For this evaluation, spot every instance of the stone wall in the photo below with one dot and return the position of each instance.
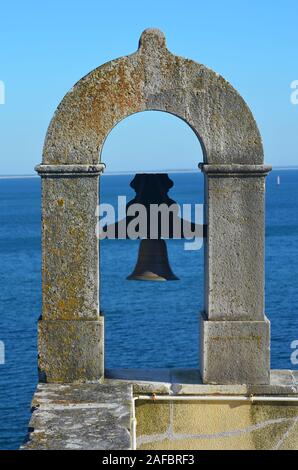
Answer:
(80, 416)
(171, 410)
(190, 425)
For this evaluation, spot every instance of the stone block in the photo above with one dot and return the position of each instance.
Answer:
(71, 351)
(235, 352)
(80, 417)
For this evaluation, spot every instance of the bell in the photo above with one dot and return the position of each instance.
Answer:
(153, 262)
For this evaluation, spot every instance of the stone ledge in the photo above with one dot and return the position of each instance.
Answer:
(89, 416)
(70, 170)
(189, 382)
(235, 169)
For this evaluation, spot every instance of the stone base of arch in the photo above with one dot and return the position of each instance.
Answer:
(71, 351)
(235, 352)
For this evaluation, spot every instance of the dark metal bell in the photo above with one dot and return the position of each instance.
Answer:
(153, 262)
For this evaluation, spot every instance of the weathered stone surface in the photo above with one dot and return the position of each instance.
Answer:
(89, 416)
(235, 352)
(216, 425)
(71, 351)
(189, 382)
(220, 425)
(97, 416)
(234, 260)
(153, 79)
(282, 382)
(143, 380)
(69, 246)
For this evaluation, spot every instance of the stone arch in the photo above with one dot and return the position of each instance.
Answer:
(233, 323)
(153, 79)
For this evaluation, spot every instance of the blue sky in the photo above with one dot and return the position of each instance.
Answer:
(47, 46)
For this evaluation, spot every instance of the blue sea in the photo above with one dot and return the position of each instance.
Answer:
(147, 324)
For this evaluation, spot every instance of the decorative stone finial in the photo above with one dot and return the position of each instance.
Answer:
(152, 38)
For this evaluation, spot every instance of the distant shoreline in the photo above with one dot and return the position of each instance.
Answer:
(133, 172)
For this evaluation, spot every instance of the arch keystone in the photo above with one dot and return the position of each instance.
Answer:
(152, 38)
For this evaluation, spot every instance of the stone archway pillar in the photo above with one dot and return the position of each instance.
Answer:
(71, 330)
(235, 334)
